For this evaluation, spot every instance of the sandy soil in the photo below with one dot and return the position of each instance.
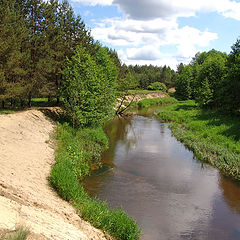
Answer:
(26, 198)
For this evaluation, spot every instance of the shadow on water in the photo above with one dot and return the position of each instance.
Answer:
(159, 183)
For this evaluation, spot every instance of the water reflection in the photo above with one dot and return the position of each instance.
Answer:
(170, 194)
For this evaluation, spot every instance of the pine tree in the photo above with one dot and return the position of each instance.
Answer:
(13, 33)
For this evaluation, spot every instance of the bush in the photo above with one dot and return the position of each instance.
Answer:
(157, 86)
(88, 89)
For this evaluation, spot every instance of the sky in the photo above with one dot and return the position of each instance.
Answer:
(161, 32)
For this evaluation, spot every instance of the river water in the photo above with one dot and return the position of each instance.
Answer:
(158, 182)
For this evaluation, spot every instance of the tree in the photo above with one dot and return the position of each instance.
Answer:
(13, 33)
(183, 83)
(157, 86)
(231, 87)
(211, 73)
(88, 89)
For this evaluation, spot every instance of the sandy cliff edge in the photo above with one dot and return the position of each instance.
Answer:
(26, 198)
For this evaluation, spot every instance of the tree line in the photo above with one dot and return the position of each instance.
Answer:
(142, 77)
(35, 38)
(212, 79)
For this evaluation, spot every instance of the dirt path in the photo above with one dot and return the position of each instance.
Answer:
(26, 157)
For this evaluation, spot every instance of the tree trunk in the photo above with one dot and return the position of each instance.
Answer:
(29, 100)
(57, 86)
(3, 104)
(22, 103)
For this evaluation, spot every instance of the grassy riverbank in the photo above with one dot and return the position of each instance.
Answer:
(79, 151)
(145, 103)
(213, 137)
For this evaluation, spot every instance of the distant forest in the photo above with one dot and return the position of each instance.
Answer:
(36, 38)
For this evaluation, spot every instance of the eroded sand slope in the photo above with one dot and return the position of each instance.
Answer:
(26, 157)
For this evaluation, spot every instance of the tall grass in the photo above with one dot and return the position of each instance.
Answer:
(145, 103)
(214, 137)
(20, 233)
(78, 152)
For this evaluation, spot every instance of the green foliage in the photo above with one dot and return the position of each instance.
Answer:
(157, 86)
(156, 102)
(231, 84)
(140, 77)
(36, 36)
(74, 158)
(183, 83)
(213, 137)
(204, 94)
(89, 88)
(203, 79)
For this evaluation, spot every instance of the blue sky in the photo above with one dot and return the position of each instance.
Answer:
(161, 32)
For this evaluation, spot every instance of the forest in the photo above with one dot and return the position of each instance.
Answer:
(212, 80)
(37, 38)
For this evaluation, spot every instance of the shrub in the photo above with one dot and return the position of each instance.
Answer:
(157, 86)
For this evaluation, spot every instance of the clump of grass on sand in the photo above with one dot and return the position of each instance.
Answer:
(20, 233)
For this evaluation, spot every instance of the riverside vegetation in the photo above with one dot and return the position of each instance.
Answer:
(213, 136)
(78, 151)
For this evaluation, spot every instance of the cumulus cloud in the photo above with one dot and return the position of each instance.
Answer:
(167, 9)
(142, 39)
(94, 2)
(150, 25)
(144, 53)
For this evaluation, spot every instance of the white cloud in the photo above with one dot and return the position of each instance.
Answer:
(94, 2)
(148, 53)
(150, 25)
(168, 9)
(141, 40)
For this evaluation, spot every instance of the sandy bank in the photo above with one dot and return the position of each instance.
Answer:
(26, 157)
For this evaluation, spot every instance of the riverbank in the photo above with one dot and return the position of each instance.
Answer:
(27, 154)
(78, 152)
(212, 136)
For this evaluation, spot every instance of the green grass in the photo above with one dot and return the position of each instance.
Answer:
(43, 102)
(36, 102)
(78, 152)
(145, 103)
(142, 91)
(214, 137)
(7, 111)
(20, 233)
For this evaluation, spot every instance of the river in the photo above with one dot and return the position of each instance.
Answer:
(158, 182)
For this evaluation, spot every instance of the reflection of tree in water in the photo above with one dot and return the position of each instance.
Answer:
(231, 193)
(116, 130)
(121, 129)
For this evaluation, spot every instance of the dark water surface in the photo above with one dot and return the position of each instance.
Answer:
(159, 183)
